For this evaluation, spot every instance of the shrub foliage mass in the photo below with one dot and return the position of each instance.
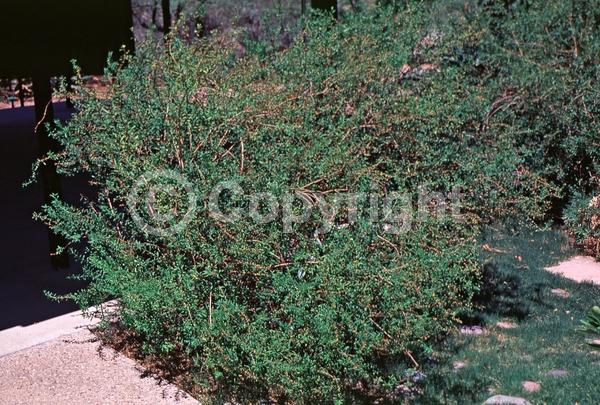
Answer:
(501, 102)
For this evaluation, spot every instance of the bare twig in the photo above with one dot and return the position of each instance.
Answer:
(43, 117)
(242, 157)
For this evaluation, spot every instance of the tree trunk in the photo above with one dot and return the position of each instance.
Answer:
(166, 12)
(326, 5)
(44, 115)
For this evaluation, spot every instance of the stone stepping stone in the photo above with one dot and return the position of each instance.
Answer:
(560, 292)
(472, 330)
(578, 268)
(531, 386)
(506, 400)
(458, 365)
(506, 325)
(557, 373)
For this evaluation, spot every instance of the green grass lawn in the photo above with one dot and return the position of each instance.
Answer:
(546, 338)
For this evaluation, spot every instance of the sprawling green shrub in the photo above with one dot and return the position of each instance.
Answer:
(380, 103)
(544, 55)
(582, 218)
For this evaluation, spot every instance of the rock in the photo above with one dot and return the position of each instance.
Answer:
(531, 386)
(506, 400)
(457, 365)
(560, 292)
(506, 325)
(557, 373)
(472, 330)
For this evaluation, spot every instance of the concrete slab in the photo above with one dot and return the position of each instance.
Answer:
(77, 369)
(578, 268)
(19, 337)
(22, 337)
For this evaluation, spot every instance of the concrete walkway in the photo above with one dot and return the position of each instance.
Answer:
(39, 364)
(76, 369)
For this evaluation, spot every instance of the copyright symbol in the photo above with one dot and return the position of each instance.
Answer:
(162, 202)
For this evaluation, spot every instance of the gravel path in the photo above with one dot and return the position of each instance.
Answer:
(75, 369)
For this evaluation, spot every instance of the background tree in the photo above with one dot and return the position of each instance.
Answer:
(325, 5)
